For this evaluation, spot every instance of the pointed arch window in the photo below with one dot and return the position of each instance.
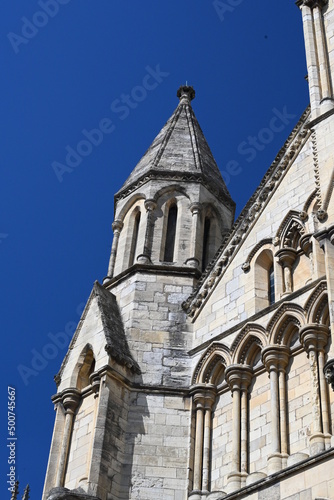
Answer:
(170, 234)
(134, 242)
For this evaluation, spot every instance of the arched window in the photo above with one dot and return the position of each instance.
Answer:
(134, 241)
(206, 243)
(271, 285)
(86, 369)
(264, 280)
(170, 234)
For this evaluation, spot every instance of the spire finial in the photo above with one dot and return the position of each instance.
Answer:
(15, 491)
(186, 92)
(26, 495)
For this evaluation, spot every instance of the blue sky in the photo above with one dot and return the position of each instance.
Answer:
(67, 67)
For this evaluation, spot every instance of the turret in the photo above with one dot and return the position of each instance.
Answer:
(174, 208)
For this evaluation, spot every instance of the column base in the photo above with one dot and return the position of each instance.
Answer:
(234, 481)
(143, 259)
(195, 495)
(317, 443)
(215, 495)
(192, 262)
(295, 458)
(326, 104)
(274, 463)
(106, 280)
(254, 477)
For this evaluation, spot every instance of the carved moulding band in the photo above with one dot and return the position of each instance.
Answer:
(312, 3)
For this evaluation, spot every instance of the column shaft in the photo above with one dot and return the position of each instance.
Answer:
(117, 227)
(323, 394)
(282, 406)
(206, 450)
(198, 459)
(275, 413)
(65, 445)
(326, 92)
(311, 57)
(236, 431)
(244, 432)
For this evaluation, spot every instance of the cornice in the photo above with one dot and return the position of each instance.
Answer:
(154, 175)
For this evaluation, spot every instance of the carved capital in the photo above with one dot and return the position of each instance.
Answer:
(286, 257)
(70, 399)
(94, 380)
(305, 243)
(117, 226)
(150, 205)
(314, 337)
(195, 208)
(275, 357)
(238, 377)
(204, 396)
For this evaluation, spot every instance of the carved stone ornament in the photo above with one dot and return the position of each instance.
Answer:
(312, 3)
(329, 372)
(66, 494)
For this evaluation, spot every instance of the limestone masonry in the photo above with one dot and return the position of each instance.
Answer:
(203, 367)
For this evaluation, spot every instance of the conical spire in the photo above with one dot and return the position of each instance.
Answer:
(180, 149)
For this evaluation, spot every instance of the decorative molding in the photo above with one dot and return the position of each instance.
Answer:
(307, 205)
(289, 229)
(246, 265)
(215, 350)
(176, 177)
(250, 327)
(312, 302)
(277, 324)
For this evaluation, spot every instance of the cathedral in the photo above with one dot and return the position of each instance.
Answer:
(202, 367)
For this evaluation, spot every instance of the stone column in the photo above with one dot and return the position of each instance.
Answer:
(275, 358)
(145, 257)
(238, 378)
(326, 242)
(203, 398)
(70, 399)
(311, 56)
(286, 257)
(117, 227)
(193, 260)
(314, 338)
(325, 82)
(209, 401)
